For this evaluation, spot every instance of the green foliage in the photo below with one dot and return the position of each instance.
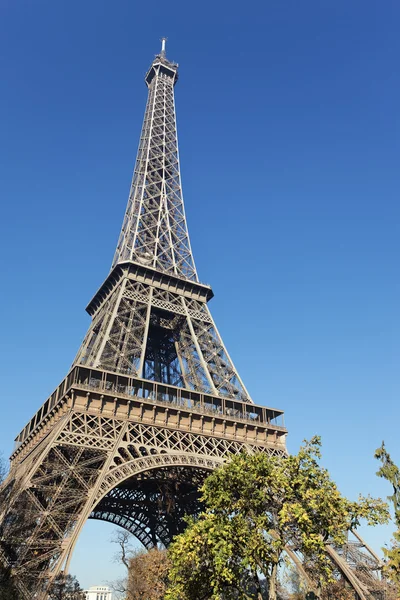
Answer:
(391, 473)
(255, 506)
(65, 587)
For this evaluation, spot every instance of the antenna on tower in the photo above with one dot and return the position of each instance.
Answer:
(163, 41)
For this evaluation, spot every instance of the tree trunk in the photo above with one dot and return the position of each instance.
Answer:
(272, 583)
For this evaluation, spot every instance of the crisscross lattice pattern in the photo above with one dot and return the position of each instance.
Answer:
(160, 335)
(72, 475)
(154, 231)
(150, 321)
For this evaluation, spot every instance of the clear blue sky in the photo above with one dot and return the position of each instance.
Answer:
(288, 116)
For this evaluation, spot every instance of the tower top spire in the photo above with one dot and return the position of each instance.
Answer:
(163, 42)
(161, 65)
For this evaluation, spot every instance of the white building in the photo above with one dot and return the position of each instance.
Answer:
(98, 592)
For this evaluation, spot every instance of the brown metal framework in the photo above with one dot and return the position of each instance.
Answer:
(152, 402)
(355, 566)
(121, 449)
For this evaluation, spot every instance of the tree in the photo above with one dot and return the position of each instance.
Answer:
(65, 587)
(148, 575)
(147, 570)
(255, 506)
(391, 473)
(3, 469)
(337, 591)
(125, 553)
(123, 539)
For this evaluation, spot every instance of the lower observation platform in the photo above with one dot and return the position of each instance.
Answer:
(100, 392)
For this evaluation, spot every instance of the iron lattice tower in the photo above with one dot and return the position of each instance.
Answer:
(152, 401)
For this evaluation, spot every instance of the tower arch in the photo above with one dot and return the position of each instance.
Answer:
(149, 497)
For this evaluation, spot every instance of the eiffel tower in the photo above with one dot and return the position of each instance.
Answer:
(152, 401)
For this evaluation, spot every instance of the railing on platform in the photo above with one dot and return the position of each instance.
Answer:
(155, 392)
